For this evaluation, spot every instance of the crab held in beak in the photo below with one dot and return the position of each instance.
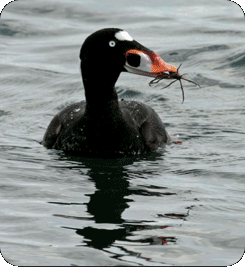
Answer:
(148, 63)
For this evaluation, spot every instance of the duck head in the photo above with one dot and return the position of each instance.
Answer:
(108, 52)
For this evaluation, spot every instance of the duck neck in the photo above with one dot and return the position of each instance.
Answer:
(100, 93)
(102, 105)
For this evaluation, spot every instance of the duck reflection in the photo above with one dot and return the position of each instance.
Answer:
(106, 204)
(110, 199)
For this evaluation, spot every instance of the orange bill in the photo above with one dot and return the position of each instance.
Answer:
(146, 63)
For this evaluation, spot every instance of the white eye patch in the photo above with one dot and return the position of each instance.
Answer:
(123, 36)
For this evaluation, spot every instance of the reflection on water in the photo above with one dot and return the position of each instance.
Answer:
(110, 199)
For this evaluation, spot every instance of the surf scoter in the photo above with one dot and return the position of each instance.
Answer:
(103, 126)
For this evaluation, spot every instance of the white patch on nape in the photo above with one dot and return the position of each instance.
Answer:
(123, 36)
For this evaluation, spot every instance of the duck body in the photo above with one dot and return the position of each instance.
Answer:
(103, 126)
(136, 129)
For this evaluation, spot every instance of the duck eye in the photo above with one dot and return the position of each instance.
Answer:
(112, 43)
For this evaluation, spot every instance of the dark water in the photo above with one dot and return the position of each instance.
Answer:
(180, 206)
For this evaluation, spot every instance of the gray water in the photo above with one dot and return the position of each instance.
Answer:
(183, 205)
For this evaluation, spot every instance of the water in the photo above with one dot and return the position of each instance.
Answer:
(180, 206)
